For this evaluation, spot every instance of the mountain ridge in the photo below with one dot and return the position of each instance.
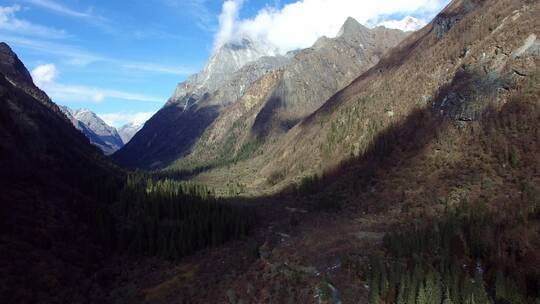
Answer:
(195, 105)
(346, 124)
(95, 129)
(51, 175)
(137, 153)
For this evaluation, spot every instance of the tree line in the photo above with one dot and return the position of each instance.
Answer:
(169, 219)
(472, 255)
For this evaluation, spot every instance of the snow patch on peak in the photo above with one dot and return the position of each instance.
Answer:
(407, 24)
(129, 130)
(229, 58)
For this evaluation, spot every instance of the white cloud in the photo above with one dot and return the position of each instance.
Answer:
(228, 19)
(122, 118)
(299, 24)
(11, 24)
(45, 77)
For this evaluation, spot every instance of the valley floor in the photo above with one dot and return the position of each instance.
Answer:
(293, 256)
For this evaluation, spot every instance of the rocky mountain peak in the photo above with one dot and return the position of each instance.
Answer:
(95, 129)
(16, 73)
(129, 130)
(94, 122)
(12, 67)
(228, 59)
(351, 27)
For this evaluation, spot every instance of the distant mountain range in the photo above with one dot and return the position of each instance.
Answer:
(106, 137)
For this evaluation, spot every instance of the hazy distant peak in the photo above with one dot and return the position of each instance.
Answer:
(129, 130)
(92, 126)
(407, 24)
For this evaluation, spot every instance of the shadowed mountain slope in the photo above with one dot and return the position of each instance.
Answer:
(196, 103)
(52, 180)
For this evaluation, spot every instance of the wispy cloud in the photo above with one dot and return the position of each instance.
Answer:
(45, 76)
(119, 119)
(157, 68)
(64, 10)
(11, 24)
(196, 9)
(88, 16)
(75, 56)
(70, 54)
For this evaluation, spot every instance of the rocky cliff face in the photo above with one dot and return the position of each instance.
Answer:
(308, 78)
(95, 129)
(278, 101)
(315, 74)
(230, 58)
(197, 102)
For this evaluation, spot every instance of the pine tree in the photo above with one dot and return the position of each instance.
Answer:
(411, 289)
(500, 286)
(433, 288)
(447, 299)
(470, 299)
(401, 297)
(421, 297)
(374, 296)
(480, 294)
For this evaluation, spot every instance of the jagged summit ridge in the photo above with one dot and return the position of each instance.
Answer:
(95, 129)
(351, 28)
(228, 59)
(129, 130)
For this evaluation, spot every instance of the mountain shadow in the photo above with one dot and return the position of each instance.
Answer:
(172, 132)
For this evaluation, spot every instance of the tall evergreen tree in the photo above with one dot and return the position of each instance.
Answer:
(447, 298)
(422, 297)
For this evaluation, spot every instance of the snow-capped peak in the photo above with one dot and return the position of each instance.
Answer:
(407, 24)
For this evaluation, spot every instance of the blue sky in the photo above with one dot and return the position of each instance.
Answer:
(123, 59)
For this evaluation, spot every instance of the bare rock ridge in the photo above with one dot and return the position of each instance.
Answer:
(308, 78)
(197, 102)
(129, 130)
(228, 59)
(278, 101)
(95, 129)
